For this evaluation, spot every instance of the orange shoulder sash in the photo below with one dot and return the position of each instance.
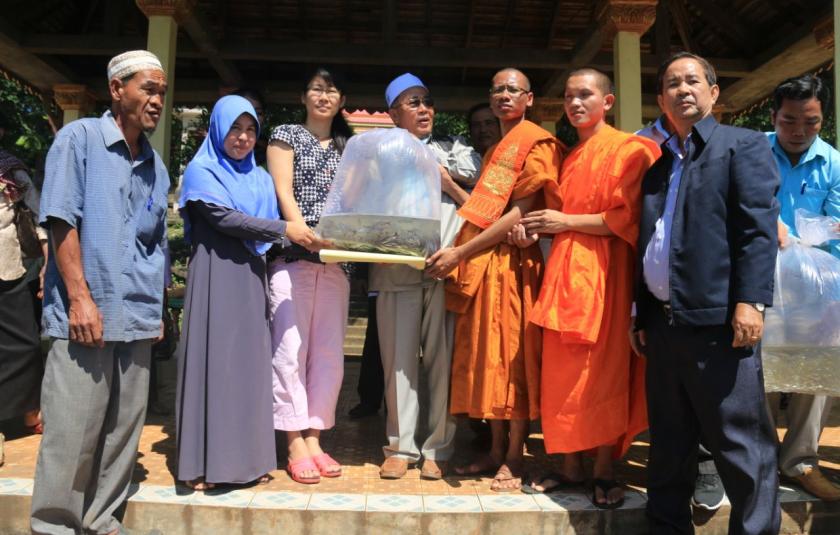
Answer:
(490, 197)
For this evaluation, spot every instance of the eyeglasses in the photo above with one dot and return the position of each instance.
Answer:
(318, 91)
(414, 102)
(512, 90)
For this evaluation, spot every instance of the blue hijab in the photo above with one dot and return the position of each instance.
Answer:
(215, 178)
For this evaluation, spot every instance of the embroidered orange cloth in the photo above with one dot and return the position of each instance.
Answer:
(496, 358)
(592, 385)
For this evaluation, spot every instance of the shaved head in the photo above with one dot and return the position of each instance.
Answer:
(602, 81)
(516, 72)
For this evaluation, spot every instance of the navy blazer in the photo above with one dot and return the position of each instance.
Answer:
(724, 235)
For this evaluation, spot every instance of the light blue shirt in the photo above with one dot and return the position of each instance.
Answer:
(118, 207)
(655, 132)
(656, 262)
(813, 184)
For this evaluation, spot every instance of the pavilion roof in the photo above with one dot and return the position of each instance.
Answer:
(453, 45)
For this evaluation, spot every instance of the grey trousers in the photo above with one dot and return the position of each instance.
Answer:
(408, 321)
(806, 416)
(93, 404)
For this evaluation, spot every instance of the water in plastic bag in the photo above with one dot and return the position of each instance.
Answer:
(801, 347)
(385, 197)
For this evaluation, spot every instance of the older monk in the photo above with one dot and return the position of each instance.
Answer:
(496, 359)
(103, 297)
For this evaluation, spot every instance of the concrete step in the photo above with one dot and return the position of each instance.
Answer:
(175, 511)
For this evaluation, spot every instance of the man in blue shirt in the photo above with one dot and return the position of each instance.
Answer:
(810, 171)
(104, 203)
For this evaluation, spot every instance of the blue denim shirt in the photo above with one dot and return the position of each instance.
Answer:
(118, 207)
(813, 184)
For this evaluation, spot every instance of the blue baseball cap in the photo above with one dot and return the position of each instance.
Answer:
(400, 84)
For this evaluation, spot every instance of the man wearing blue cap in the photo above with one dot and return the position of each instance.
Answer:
(411, 308)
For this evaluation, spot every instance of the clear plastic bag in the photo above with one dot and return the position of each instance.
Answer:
(385, 197)
(801, 347)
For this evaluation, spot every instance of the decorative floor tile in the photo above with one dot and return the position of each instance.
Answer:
(280, 500)
(565, 501)
(16, 486)
(223, 498)
(395, 503)
(164, 494)
(508, 502)
(337, 502)
(451, 504)
(634, 499)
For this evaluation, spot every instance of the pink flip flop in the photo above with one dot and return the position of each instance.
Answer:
(323, 461)
(295, 468)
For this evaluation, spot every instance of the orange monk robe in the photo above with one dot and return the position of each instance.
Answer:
(592, 391)
(496, 356)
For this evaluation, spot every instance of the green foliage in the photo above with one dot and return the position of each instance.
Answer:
(451, 124)
(23, 116)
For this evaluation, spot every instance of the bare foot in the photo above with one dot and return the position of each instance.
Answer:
(199, 484)
(508, 478)
(298, 450)
(313, 445)
(485, 464)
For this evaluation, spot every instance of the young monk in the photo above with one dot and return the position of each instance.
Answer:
(592, 395)
(496, 359)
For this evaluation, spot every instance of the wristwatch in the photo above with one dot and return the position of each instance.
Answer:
(758, 306)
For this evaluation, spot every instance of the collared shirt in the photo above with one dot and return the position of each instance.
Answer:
(118, 205)
(656, 132)
(464, 165)
(656, 261)
(813, 184)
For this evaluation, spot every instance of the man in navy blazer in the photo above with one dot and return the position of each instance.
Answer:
(707, 252)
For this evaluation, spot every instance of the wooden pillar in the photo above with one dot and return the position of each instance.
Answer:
(75, 101)
(162, 41)
(627, 21)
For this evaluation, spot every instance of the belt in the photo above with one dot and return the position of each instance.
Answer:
(666, 308)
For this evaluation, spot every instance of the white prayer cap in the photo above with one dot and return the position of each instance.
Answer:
(130, 62)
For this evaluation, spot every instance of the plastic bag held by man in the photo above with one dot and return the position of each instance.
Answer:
(801, 348)
(385, 197)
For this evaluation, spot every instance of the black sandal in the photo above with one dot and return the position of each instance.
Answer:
(606, 485)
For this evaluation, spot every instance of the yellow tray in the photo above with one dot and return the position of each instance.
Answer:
(331, 256)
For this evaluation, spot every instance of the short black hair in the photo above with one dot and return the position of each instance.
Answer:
(478, 107)
(251, 93)
(708, 69)
(803, 87)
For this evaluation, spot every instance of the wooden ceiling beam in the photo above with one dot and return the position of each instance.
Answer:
(278, 52)
(794, 55)
(197, 28)
(584, 52)
(389, 21)
(679, 16)
(725, 26)
(43, 74)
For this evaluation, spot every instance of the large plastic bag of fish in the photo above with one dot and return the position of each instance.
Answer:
(385, 197)
(801, 347)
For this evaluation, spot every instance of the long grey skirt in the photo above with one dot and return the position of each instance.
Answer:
(224, 398)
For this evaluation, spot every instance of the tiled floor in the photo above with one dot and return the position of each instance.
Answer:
(357, 444)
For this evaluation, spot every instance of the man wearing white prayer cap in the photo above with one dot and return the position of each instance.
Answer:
(104, 203)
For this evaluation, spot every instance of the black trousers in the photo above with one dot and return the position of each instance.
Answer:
(371, 386)
(700, 387)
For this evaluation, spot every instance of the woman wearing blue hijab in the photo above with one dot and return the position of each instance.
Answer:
(224, 397)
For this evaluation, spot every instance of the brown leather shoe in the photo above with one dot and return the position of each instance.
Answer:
(814, 482)
(393, 468)
(433, 469)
